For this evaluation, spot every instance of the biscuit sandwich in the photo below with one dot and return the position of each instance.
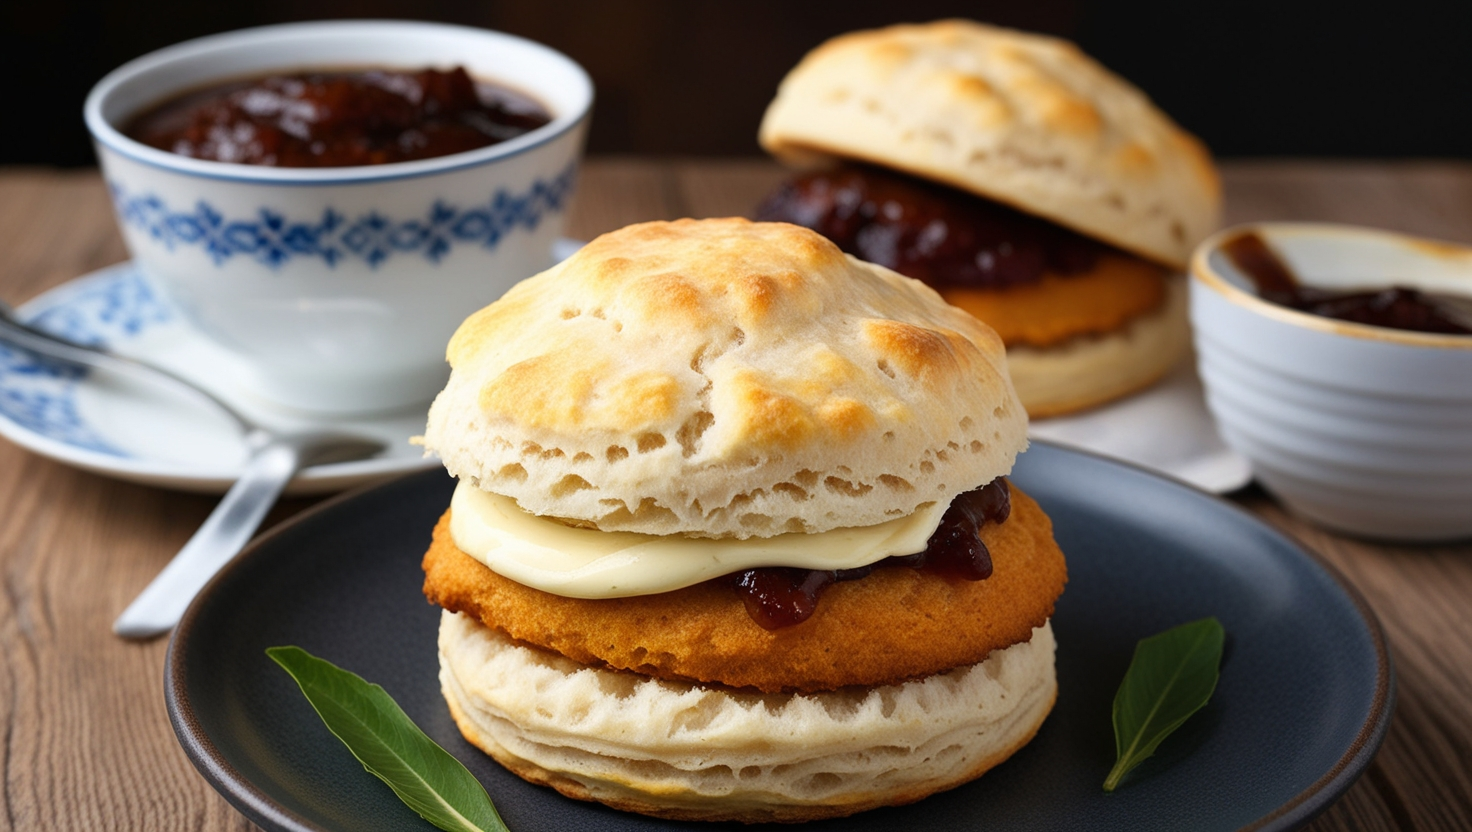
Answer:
(1024, 181)
(732, 539)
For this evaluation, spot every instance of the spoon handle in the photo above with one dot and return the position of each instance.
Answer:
(14, 331)
(225, 532)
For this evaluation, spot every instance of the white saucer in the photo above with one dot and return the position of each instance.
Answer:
(1165, 428)
(120, 428)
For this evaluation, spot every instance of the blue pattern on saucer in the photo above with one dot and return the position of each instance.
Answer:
(272, 239)
(40, 395)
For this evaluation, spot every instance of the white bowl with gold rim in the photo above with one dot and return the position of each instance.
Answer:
(1363, 429)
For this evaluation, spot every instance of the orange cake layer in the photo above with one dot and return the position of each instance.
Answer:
(1057, 308)
(897, 623)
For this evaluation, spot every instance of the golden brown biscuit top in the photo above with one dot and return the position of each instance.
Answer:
(724, 378)
(1024, 119)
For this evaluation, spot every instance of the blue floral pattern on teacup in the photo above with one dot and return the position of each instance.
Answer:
(273, 239)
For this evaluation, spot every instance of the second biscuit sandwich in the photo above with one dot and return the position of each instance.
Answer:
(1023, 180)
(732, 539)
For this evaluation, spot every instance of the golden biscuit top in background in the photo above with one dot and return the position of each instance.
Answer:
(1023, 119)
(724, 378)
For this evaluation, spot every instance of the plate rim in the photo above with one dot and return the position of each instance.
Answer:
(249, 799)
(256, 805)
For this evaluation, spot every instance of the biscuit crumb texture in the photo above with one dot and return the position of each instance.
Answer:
(689, 752)
(1027, 120)
(723, 378)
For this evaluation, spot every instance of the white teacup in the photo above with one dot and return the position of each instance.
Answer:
(341, 286)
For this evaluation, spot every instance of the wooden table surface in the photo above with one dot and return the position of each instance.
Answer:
(84, 739)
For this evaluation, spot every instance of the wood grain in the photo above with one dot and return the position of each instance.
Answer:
(84, 739)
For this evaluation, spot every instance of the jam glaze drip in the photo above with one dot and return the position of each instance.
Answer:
(781, 596)
(939, 235)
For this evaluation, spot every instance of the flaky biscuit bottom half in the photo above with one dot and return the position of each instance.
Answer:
(692, 752)
(1090, 370)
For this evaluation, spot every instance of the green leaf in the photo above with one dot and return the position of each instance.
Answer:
(383, 738)
(1171, 677)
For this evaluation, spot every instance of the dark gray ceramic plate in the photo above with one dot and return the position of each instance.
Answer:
(1304, 699)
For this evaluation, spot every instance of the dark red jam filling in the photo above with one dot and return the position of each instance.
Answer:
(1394, 307)
(779, 596)
(927, 231)
(338, 119)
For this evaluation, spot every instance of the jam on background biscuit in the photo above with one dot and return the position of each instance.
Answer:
(1027, 120)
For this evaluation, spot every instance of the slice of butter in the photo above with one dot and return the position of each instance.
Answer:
(587, 563)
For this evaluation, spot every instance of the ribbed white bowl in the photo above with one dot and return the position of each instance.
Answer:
(1362, 429)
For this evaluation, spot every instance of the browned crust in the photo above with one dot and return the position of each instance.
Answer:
(533, 773)
(893, 625)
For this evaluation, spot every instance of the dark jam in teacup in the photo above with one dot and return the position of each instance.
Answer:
(1394, 307)
(338, 118)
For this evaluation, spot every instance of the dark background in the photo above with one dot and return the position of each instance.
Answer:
(1251, 78)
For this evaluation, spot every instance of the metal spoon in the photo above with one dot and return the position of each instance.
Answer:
(274, 460)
